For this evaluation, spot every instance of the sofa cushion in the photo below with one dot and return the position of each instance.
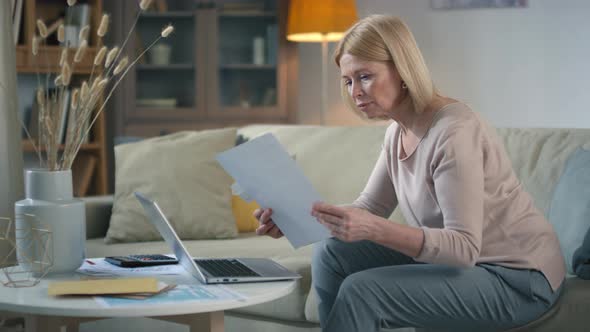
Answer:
(538, 157)
(569, 211)
(290, 307)
(178, 171)
(244, 214)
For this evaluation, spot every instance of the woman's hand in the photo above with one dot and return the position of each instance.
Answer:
(267, 226)
(347, 223)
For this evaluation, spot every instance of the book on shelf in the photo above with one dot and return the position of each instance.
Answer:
(64, 116)
(78, 14)
(33, 125)
(77, 17)
(17, 13)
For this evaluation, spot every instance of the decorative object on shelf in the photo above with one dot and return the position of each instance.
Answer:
(320, 21)
(70, 36)
(160, 54)
(49, 196)
(258, 51)
(11, 157)
(33, 261)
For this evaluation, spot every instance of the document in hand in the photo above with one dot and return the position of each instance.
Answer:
(266, 173)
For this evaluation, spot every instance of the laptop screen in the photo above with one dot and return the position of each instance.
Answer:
(158, 219)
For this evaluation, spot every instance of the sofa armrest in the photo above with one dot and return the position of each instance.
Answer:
(98, 215)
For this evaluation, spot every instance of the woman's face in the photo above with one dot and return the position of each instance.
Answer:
(374, 86)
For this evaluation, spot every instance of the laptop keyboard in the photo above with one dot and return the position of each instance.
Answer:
(226, 268)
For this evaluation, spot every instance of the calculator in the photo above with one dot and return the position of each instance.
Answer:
(141, 260)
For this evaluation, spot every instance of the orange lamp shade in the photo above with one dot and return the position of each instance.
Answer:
(319, 20)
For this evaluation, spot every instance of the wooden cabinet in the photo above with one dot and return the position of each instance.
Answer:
(89, 168)
(229, 65)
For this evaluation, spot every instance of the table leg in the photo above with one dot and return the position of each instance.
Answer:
(37, 323)
(30, 323)
(203, 322)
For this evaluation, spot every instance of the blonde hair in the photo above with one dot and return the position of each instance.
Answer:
(388, 39)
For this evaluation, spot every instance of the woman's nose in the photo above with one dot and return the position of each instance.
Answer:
(356, 90)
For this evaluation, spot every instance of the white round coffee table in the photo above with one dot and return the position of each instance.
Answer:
(48, 313)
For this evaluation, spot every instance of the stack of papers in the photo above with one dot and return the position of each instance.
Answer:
(110, 290)
(135, 288)
(98, 267)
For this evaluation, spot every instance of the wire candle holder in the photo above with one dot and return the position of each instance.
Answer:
(26, 264)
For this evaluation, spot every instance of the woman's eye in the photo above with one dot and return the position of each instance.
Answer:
(347, 83)
(364, 77)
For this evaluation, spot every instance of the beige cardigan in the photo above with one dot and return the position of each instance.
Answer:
(458, 186)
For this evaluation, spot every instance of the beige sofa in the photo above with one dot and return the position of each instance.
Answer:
(338, 161)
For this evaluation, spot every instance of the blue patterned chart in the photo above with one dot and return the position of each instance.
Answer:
(178, 294)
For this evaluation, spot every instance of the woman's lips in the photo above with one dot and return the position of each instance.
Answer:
(362, 106)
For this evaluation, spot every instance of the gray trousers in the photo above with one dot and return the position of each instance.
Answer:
(363, 286)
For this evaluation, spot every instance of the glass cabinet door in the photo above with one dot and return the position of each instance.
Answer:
(165, 79)
(246, 57)
(227, 63)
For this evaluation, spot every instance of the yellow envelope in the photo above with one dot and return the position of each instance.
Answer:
(104, 286)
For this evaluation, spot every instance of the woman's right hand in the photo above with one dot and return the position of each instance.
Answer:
(267, 226)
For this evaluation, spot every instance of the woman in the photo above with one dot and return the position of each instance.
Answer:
(475, 253)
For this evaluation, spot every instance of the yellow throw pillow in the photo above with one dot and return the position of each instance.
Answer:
(244, 211)
(244, 214)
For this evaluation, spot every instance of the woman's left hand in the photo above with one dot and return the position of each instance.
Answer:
(346, 223)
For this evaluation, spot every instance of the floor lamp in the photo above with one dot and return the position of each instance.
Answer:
(320, 22)
(11, 156)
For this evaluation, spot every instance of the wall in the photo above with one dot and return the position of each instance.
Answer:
(519, 67)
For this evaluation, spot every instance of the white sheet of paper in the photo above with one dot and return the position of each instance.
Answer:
(266, 173)
(181, 293)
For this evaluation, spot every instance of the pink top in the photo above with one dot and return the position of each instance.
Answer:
(458, 186)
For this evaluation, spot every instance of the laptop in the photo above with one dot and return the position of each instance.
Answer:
(214, 270)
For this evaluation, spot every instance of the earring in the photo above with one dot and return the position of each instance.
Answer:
(404, 85)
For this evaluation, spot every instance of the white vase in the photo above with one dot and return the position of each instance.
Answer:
(49, 197)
